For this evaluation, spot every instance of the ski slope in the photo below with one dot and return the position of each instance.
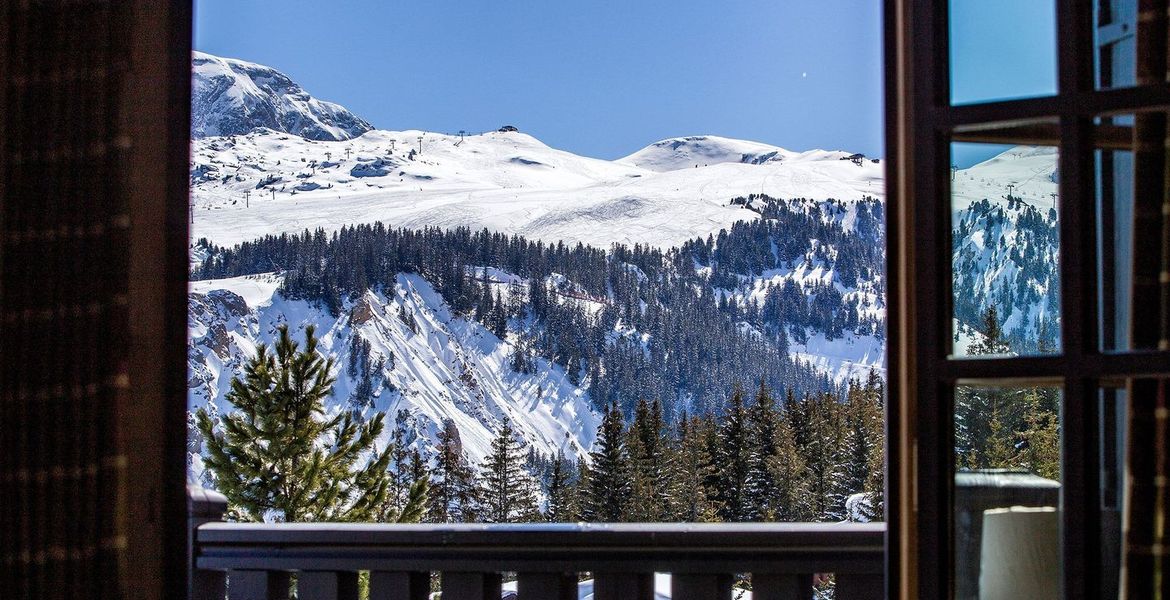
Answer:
(1031, 171)
(508, 182)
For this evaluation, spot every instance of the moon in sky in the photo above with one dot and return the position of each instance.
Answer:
(804, 75)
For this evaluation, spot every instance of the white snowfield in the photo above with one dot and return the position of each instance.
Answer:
(451, 368)
(268, 182)
(1031, 171)
(662, 589)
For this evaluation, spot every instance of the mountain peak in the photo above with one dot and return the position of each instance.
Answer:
(232, 97)
(686, 152)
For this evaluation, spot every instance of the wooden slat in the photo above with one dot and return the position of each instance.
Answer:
(863, 586)
(781, 586)
(400, 585)
(547, 586)
(623, 586)
(258, 585)
(327, 585)
(647, 548)
(208, 585)
(700, 586)
(471, 586)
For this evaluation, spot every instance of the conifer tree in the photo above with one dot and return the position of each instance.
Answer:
(875, 483)
(999, 449)
(607, 494)
(733, 461)
(975, 407)
(763, 426)
(790, 498)
(1040, 440)
(507, 491)
(406, 498)
(401, 477)
(453, 497)
(864, 440)
(277, 456)
(695, 471)
(499, 318)
(993, 340)
(562, 505)
(649, 481)
(821, 451)
(407, 319)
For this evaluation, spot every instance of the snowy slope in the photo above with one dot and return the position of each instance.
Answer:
(1030, 170)
(231, 97)
(1005, 251)
(451, 368)
(507, 182)
(662, 589)
(702, 150)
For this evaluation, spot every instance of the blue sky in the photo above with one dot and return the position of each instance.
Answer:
(601, 78)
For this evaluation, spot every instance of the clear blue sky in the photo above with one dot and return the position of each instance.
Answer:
(600, 78)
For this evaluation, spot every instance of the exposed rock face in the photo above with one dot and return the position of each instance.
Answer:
(233, 97)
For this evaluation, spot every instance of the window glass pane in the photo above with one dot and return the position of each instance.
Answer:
(1112, 416)
(1002, 49)
(1005, 250)
(1130, 197)
(1007, 489)
(1115, 38)
(1115, 238)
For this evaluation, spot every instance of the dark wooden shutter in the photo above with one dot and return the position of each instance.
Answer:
(1150, 328)
(93, 144)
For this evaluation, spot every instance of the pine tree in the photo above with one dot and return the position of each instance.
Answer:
(733, 461)
(650, 492)
(695, 470)
(401, 478)
(409, 486)
(453, 497)
(507, 490)
(974, 407)
(521, 359)
(790, 498)
(1040, 441)
(875, 482)
(863, 437)
(608, 491)
(499, 318)
(993, 340)
(763, 448)
(821, 452)
(562, 502)
(999, 450)
(277, 457)
(407, 319)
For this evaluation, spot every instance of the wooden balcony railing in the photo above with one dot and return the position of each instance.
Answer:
(249, 561)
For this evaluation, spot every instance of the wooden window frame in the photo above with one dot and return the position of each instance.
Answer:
(921, 123)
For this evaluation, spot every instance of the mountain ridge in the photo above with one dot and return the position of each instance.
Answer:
(723, 210)
(233, 97)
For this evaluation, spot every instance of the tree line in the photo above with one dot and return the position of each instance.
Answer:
(671, 323)
(1006, 427)
(279, 456)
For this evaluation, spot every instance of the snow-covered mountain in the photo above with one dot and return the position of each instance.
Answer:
(232, 97)
(701, 151)
(790, 245)
(1005, 249)
(434, 366)
(270, 182)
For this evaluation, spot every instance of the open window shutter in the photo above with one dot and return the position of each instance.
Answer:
(93, 145)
